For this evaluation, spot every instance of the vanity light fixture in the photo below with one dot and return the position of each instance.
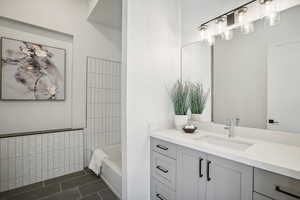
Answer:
(225, 23)
(270, 11)
(203, 32)
(223, 30)
(206, 35)
(221, 24)
(246, 25)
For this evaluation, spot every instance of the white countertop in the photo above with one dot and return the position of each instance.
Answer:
(278, 158)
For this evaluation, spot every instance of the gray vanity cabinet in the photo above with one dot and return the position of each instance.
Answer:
(228, 180)
(205, 177)
(191, 182)
(276, 186)
(180, 173)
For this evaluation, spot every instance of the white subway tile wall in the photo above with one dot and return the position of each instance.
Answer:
(103, 105)
(29, 159)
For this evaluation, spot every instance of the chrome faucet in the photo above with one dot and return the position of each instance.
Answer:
(230, 126)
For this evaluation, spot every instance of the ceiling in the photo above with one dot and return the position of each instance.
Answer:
(106, 12)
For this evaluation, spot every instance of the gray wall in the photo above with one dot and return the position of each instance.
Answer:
(240, 70)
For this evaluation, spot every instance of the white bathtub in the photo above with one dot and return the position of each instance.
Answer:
(112, 169)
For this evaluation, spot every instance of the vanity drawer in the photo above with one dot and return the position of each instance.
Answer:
(161, 192)
(276, 186)
(259, 197)
(164, 169)
(164, 148)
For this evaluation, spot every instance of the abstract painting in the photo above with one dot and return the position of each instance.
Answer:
(32, 71)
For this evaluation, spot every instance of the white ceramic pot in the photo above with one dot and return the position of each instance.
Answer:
(180, 121)
(197, 117)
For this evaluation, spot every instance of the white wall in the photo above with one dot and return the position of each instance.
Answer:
(58, 114)
(106, 12)
(152, 60)
(69, 16)
(196, 62)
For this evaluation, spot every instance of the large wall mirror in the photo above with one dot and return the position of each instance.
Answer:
(256, 76)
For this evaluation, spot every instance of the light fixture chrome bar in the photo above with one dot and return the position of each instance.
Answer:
(264, 1)
(229, 12)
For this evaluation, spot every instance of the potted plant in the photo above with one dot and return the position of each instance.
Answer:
(198, 99)
(179, 97)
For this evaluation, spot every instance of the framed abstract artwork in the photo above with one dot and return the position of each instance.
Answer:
(32, 72)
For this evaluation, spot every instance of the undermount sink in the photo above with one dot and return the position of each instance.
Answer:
(225, 142)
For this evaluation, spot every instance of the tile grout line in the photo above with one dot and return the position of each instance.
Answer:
(94, 181)
(68, 179)
(80, 195)
(99, 195)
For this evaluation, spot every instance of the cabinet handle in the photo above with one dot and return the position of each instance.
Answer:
(200, 167)
(162, 169)
(160, 197)
(162, 147)
(208, 170)
(278, 189)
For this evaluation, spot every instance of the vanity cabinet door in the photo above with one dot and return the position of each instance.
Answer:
(191, 176)
(228, 180)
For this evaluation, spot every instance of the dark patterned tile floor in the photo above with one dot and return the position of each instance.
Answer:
(82, 185)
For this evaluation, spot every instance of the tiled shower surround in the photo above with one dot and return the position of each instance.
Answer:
(103, 105)
(30, 159)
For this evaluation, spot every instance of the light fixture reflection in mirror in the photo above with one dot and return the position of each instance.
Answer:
(227, 35)
(247, 28)
(211, 40)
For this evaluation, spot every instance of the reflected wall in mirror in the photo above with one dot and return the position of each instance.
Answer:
(196, 67)
(256, 76)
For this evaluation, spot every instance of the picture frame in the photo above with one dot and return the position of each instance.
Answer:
(31, 71)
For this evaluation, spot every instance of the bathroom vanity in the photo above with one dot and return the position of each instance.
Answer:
(209, 166)
(252, 79)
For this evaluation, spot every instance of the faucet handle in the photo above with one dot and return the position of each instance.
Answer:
(229, 122)
(237, 121)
